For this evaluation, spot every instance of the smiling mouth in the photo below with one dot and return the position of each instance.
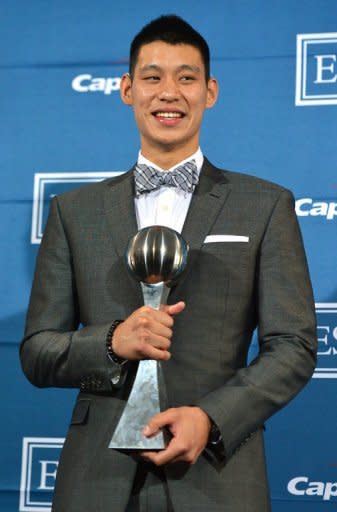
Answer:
(168, 115)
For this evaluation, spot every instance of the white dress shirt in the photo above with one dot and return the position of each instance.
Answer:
(166, 206)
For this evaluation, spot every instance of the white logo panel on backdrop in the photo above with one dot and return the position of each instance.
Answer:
(301, 486)
(316, 69)
(40, 456)
(309, 207)
(327, 341)
(88, 83)
(48, 185)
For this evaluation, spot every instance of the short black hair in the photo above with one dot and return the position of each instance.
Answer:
(173, 30)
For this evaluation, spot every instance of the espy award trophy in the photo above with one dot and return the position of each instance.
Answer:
(156, 256)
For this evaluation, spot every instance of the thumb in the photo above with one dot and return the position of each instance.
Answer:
(173, 309)
(155, 424)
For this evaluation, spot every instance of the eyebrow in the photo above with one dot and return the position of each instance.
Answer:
(182, 67)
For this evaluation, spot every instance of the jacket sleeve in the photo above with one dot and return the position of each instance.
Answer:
(286, 333)
(55, 351)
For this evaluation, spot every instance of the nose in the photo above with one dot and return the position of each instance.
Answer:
(169, 90)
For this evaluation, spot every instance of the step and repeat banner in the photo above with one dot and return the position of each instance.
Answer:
(63, 125)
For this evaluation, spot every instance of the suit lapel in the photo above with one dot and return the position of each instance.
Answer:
(120, 210)
(121, 219)
(207, 201)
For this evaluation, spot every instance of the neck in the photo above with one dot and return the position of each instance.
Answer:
(164, 158)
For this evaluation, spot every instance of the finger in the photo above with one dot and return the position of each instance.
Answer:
(159, 421)
(156, 327)
(173, 309)
(150, 352)
(151, 316)
(148, 311)
(189, 457)
(160, 342)
(148, 331)
(159, 458)
(150, 457)
(171, 453)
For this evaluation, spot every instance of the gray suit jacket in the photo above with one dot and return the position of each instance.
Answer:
(229, 288)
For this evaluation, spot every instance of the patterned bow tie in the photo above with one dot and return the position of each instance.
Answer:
(184, 176)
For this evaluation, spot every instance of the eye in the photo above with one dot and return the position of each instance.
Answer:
(187, 78)
(152, 78)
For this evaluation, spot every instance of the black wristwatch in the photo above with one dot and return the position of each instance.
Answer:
(215, 443)
(215, 437)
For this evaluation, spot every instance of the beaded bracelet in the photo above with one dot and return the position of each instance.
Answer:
(113, 357)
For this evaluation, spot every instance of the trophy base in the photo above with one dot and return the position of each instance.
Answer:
(140, 442)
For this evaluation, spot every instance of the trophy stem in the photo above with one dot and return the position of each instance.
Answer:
(155, 294)
(148, 395)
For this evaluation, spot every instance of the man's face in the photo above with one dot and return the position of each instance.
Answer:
(169, 94)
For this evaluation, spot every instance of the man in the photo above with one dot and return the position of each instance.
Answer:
(246, 268)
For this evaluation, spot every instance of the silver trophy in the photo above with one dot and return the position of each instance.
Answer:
(156, 256)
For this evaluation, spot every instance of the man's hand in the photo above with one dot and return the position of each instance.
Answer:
(189, 426)
(147, 333)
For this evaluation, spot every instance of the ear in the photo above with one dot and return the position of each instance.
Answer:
(212, 92)
(126, 89)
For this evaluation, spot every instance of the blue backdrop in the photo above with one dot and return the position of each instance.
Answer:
(63, 124)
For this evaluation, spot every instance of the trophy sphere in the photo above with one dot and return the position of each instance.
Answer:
(156, 254)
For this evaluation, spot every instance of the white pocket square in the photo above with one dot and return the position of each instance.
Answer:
(225, 238)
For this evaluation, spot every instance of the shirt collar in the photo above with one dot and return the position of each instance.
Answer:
(197, 156)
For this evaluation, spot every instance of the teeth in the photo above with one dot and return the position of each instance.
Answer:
(168, 114)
